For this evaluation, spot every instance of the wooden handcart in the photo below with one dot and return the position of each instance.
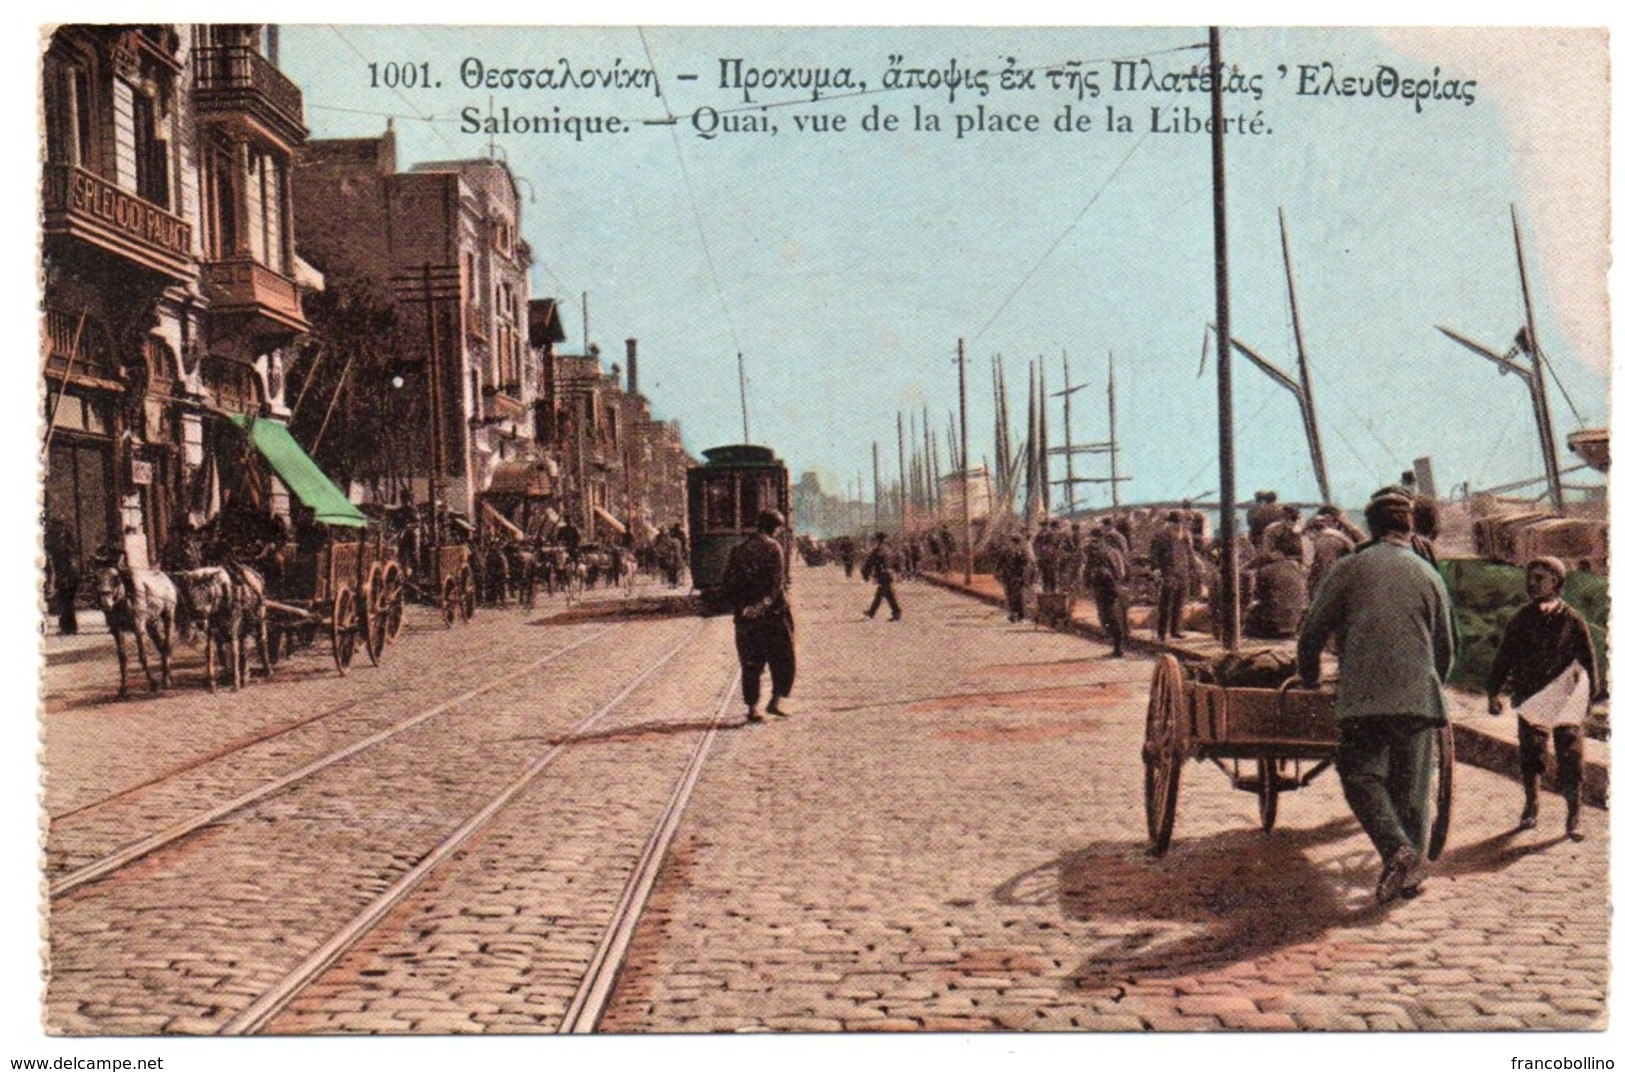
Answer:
(447, 581)
(353, 589)
(1268, 741)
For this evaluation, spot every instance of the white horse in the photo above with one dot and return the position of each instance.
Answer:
(227, 610)
(142, 604)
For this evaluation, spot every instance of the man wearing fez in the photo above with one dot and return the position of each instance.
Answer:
(764, 632)
(1390, 613)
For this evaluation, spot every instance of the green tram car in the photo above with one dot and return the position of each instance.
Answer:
(725, 494)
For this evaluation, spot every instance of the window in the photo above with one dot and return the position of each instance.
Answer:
(221, 180)
(271, 212)
(151, 153)
(67, 111)
(756, 493)
(721, 509)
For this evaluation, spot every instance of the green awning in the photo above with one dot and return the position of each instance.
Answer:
(302, 475)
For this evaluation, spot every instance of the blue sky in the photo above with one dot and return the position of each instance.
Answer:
(845, 266)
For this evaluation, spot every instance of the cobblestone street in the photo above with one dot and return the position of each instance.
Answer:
(949, 844)
(948, 835)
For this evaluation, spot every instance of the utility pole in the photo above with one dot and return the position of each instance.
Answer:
(964, 461)
(876, 446)
(1000, 437)
(1111, 421)
(436, 431)
(1066, 418)
(1229, 574)
(902, 476)
(744, 408)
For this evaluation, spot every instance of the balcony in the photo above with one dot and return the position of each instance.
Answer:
(87, 207)
(240, 88)
(245, 289)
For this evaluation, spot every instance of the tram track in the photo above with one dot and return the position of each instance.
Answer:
(174, 832)
(598, 983)
(224, 918)
(264, 1009)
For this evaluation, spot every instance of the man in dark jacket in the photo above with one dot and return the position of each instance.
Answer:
(1017, 570)
(1547, 662)
(62, 565)
(1105, 572)
(877, 568)
(764, 632)
(1174, 559)
(1280, 591)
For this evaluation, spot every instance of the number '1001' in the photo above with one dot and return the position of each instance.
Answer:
(399, 75)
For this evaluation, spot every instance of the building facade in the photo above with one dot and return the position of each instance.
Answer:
(172, 293)
(441, 242)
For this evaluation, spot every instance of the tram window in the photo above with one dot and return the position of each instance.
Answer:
(756, 493)
(721, 509)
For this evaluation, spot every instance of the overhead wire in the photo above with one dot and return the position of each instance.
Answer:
(693, 203)
(1065, 232)
(429, 120)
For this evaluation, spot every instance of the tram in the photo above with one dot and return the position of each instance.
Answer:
(725, 494)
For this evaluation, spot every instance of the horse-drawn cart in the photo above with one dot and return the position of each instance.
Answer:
(352, 589)
(1267, 740)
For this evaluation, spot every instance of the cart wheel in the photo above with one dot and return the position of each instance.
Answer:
(450, 600)
(1162, 750)
(1269, 792)
(1444, 756)
(394, 601)
(467, 592)
(372, 614)
(345, 625)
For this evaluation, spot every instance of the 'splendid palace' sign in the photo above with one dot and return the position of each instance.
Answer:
(89, 207)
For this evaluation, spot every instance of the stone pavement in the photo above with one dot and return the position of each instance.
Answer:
(1483, 740)
(949, 835)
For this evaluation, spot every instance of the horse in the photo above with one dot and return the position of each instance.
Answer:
(141, 603)
(554, 564)
(494, 573)
(522, 568)
(227, 609)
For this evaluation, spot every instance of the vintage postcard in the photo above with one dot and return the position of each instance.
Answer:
(950, 532)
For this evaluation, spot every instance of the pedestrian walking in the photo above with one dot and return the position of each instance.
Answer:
(62, 570)
(764, 630)
(1106, 574)
(1390, 615)
(1017, 570)
(1174, 559)
(1047, 550)
(1546, 661)
(877, 568)
(848, 550)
